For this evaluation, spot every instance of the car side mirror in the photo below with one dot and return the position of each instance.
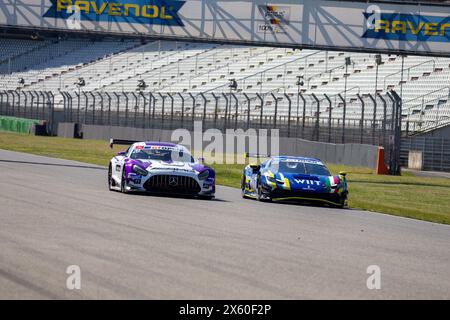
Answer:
(121, 153)
(342, 173)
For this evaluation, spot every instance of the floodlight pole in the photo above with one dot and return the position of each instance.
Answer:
(347, 63)
(401, 81)
(377, 64)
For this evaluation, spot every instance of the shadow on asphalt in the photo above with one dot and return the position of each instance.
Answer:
(175, 196)
(309, 204)
(303, 204)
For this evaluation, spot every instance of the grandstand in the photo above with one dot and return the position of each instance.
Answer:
(274, 84)
(181, 67)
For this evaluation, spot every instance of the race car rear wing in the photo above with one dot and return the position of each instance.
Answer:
(256, 155)
(112, 142)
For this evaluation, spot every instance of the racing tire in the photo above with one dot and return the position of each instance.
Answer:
(110, 179)
(243, 187)
(342, 202)
(339, 205)
(123, 180)
(259, 193)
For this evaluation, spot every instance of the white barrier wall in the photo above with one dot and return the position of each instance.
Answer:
(360, 155)
(308, 23)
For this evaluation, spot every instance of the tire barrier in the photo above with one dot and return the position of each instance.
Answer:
(21, 125)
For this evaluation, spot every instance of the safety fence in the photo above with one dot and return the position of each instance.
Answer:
(36, 105)
(361, 119)
(435, 152)
(340, 118)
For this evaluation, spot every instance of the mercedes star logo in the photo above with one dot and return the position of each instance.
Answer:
(173, 181)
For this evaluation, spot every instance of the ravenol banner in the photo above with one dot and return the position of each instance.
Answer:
(397, 27)
(163, 12)
(408, 27)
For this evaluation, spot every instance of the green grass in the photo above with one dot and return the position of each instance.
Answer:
(406, 195)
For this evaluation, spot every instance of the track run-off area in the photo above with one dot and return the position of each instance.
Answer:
(57, 213)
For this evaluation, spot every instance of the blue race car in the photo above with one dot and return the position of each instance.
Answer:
(287, 178)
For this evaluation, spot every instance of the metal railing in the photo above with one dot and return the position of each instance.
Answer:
(427, 112)
(33, 105)
(435, 152)
(355, 118)
(407, 71)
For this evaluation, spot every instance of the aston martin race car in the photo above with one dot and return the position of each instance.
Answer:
(158, 167)
(287, 178)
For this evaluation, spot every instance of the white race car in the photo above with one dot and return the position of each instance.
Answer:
(159, 167)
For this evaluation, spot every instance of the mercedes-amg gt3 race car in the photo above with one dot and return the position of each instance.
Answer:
(286, 178)
(158, 167)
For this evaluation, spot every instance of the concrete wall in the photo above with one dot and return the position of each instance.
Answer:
(66, 130)
(361, 155)
(347, 154)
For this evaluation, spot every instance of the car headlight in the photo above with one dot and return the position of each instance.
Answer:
(137, 169)
(274, 180)
(203, 175)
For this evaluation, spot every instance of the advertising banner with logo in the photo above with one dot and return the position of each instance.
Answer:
(321, 24)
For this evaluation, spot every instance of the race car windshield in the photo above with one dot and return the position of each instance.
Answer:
(303, 168)
(162, 155)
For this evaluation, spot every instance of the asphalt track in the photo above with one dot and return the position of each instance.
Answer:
(56, 213)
